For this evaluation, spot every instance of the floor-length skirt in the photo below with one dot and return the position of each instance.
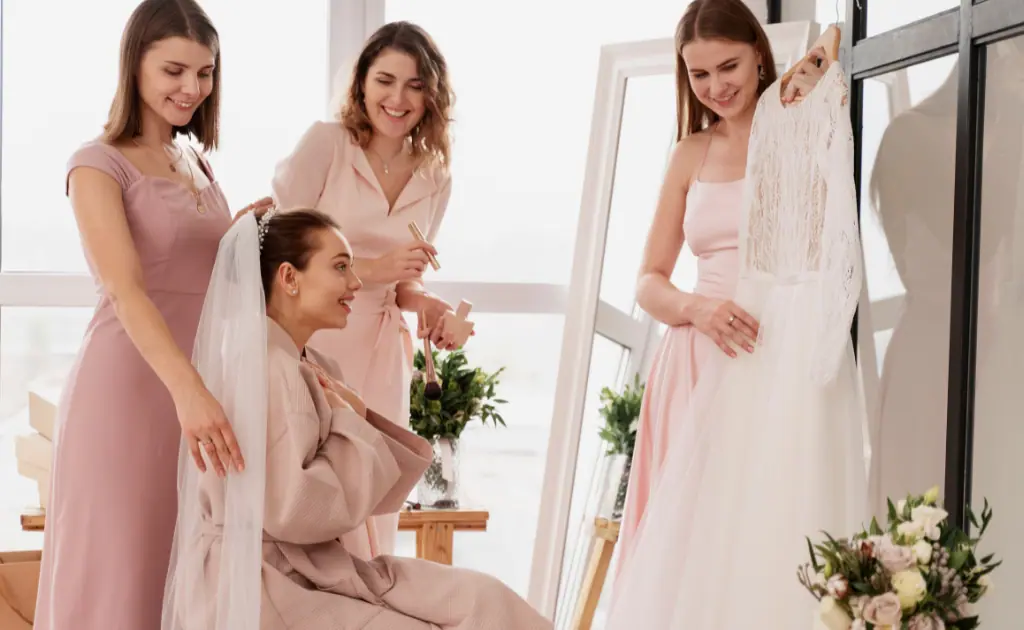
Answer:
(764, 457)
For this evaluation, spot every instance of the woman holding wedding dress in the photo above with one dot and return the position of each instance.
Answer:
(767, 446)
(723, 64)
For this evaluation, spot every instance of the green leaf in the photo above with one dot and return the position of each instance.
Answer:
(467, 394)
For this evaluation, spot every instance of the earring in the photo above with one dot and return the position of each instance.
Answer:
(294, 291)
(760, 72)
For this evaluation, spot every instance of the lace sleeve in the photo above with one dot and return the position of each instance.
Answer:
(842, 273)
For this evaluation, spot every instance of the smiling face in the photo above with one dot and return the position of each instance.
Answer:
(325, 288)
(394, 96)
(723, 75)
(175, 77)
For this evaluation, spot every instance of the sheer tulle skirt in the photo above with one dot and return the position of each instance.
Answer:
(765, 458)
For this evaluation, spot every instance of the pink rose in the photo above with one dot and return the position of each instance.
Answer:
(884, 610)
(837, 586)
(894, 557)
(926, 622)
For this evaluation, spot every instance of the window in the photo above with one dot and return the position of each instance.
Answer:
(502, 469)
(998, 431)
(886, 16)
(522, 122)
(646, 135)
(56, 97)
(274, 87)
(908, 142)
(37, 347)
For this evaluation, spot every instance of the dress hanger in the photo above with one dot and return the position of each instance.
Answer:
(827, 41)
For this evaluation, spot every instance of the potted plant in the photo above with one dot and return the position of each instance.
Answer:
(467, 394)
(621, 413)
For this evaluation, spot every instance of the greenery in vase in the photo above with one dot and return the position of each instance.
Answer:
(621, 413)
(467, 394)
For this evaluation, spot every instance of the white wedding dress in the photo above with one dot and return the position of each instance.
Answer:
(772, 448)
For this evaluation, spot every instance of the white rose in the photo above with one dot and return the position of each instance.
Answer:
(833, 615)
(910, 587)
(923, 552)
(929, 518)
(985, 582)
(910, 530)
(900, 505)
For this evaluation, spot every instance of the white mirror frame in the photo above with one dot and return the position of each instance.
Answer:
(586, 315)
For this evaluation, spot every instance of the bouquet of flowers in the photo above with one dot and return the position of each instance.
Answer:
(920, 573)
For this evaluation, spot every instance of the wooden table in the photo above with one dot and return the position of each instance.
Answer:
(435, 529)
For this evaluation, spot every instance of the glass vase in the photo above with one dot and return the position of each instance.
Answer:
(439, 486)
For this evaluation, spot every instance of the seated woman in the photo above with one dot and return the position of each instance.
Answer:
(262, 548)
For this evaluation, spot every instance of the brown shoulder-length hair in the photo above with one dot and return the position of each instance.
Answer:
(430, 138)
(151, 22)
(730, 20)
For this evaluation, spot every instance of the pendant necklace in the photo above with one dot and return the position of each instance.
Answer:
(171, 159)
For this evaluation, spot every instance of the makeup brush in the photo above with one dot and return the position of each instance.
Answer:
(418, 235)
(432, 389)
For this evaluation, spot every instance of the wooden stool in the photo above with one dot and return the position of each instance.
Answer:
(435, 530)
(602, 547)
(19, 581)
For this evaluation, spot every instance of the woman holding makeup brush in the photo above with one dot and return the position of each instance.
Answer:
(381, 166)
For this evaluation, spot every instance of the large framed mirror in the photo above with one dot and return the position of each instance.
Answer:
(608, 341)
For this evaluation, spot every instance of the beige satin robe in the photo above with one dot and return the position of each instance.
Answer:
(327, 471)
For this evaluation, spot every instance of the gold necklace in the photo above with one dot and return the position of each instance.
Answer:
(191, 186)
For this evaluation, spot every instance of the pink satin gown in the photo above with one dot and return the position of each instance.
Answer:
(712, 231)
(113, 495)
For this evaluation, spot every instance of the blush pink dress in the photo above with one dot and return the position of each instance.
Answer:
(712, 231)
(113, 498)
(329, 172)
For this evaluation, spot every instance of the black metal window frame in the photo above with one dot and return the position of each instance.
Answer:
(966, 32)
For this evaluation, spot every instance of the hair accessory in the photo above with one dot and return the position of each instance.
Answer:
(264, 224)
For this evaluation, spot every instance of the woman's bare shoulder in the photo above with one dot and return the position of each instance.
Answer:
(687, 155)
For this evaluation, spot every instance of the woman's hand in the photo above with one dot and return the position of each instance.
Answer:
(206, 428)
(724, 322)
(339, 395)
(405, 262)
(433, 320)
(262, 204)
(809, 73)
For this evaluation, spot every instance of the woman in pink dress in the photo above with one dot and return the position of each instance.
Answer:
(150, 215)
(723, 65)
(381, 166)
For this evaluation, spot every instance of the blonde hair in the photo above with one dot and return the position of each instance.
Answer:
(430, 138)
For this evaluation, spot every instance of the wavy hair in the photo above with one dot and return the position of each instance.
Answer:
(430, 138)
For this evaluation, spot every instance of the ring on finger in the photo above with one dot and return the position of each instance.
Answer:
(732, 318)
